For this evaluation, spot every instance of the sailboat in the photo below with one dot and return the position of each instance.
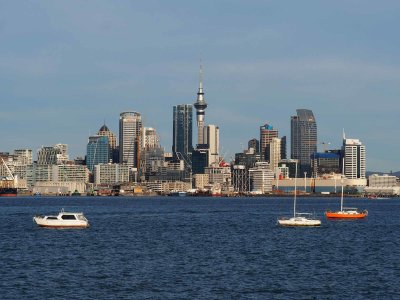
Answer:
(345, 212)
(298, 219)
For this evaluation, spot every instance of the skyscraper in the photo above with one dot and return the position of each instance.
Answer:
(98, 151)
(274, 153)
(211, 139)
(200, 106)
(354, 158)
(130, 126)
(267, 133)
(255, 144)
(303, 139)
(112, 140)
(182, 130)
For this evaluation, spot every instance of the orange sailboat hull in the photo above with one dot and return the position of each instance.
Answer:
(344, 215)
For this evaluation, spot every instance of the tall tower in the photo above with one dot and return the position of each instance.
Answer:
(303, 138)
(97, 151)
(267, 133)
(130, 126)
(182, 130)
(200, 106)
(354, 158)
(112, 141)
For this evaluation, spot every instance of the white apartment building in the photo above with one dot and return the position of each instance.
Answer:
(211, 138)
(261, 178)
(110, 174)
(274, 153)
(354, 159)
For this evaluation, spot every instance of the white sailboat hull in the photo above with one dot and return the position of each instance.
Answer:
(299, 222)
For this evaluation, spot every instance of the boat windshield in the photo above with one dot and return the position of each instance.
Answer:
(81, 217)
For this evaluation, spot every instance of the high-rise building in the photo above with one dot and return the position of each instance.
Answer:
(211, 139)
(274, 153)
(303, 139)
(98, 151)
(130, 126)
(182, 130)
(112, 141)
(267, 133)
(200, 106)
(354, 158)
(150, 138)
(283, 147)
(255, 144)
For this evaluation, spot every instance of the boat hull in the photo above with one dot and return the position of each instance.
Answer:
(295, 222)
(344, 215)
(8, 192)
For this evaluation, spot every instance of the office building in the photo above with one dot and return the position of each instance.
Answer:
(109, 174)
(182, 131)
(303, 139)
(97, 151)
(267, 133)
(261, 178)
(112, 141)
(130, 126)
(211, 140)
(354, 159)
(255, 144)
(274, 153)
(53, 155)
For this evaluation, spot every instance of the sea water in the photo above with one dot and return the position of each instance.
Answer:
(198, 248)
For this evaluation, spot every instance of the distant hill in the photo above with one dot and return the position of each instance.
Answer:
(368, 173)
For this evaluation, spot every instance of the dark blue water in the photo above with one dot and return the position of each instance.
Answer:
(198, 248)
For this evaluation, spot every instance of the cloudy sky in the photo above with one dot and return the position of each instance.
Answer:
(68, 66)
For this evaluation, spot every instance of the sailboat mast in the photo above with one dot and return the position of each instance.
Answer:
(295, 192)
(341, 177)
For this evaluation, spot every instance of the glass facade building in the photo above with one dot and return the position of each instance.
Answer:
(182, 130)
(303, 139)
(98, 151)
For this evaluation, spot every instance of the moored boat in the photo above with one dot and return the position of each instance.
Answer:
(298, 219)
(345, 212)
(8, 192)
(63, 220)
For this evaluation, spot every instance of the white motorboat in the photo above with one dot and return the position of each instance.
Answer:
(62, 220)
(298, 219)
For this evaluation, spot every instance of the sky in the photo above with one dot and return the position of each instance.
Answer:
(66, 67)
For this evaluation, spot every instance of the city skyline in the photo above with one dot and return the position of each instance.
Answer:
(66, 70)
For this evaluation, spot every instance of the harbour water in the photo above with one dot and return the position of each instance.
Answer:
(198, 248)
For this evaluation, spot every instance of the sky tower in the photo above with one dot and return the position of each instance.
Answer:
(200, 106)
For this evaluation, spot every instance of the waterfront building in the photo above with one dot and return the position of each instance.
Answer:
(201, 181)
(53, 155)
(200, 106)
(287, 168)
(219, 174)
(211, 139)
(240, 178)
(267, 133)
(69, 173)
(255, 144)
(98, 151)
(130, 126)
(110, 174)
(382, 185)
(303, 139)
(261, 178)
(23, 156)
(151, 160)
(200, 159)
(182, 131)
(112, 142)
(247, 158)
(36, 173)
(325, 163)
(354, 158)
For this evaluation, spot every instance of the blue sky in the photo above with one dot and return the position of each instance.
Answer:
(66, 66)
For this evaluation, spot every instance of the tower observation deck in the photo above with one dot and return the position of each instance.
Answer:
(200, 106)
